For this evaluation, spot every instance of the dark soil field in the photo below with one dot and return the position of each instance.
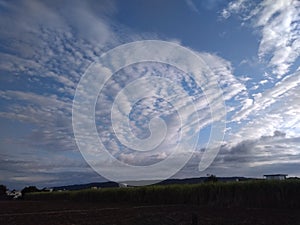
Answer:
(75, 213)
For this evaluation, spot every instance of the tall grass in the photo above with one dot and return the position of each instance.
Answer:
(278, 194)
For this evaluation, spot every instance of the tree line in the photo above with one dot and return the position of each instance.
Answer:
(4, 191)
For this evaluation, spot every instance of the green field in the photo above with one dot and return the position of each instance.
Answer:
(259, 193)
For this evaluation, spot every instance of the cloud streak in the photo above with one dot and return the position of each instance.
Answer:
(278, 24)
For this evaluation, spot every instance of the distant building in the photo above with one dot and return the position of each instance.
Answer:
(46, 189)
(275, 176)
(95, 188)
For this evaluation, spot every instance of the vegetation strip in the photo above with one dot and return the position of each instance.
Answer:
(274, 194)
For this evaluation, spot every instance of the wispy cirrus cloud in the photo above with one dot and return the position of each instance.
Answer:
(283, 90)
(278, 25)
(234, 7)
(263, 136)
(192, 6)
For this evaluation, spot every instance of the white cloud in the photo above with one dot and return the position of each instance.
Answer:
(53, 53)
(50, 59)
(192, 6)
(233, 7)
(262, 151)
(148, 109)
(275, 109)
(51, 113)
(278, 24)
(262, 82)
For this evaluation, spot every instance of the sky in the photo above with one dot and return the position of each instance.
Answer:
(248, 49)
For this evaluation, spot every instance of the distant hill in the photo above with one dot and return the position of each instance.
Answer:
(111, 184)
(200, 180)
(108, 184)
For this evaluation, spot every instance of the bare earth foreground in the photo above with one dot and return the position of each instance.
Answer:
(67, 213)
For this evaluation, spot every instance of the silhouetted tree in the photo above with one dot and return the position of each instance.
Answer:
(3, 190)
(211, 178)
(29, 190)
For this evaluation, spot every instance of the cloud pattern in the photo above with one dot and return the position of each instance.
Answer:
(262, 129)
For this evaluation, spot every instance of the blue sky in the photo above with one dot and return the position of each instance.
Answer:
(252, 48)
